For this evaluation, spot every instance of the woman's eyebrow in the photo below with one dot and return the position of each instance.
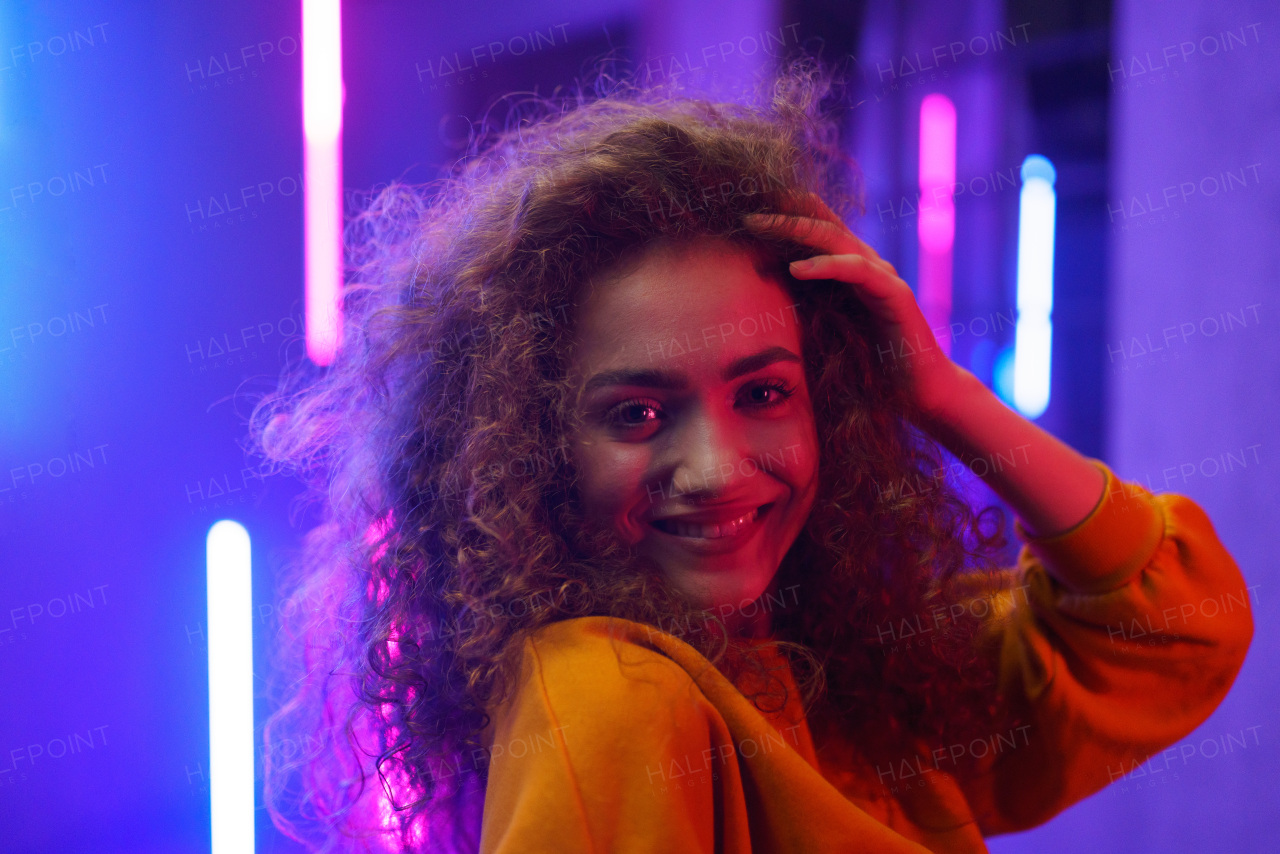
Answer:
(678, 380)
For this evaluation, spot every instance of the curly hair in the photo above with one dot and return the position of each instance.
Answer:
(435, 446)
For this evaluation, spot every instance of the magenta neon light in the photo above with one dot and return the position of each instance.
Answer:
(937, 228)
(322, 97)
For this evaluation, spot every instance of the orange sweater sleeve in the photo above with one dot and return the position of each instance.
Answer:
(585, 756)
(1127, 633)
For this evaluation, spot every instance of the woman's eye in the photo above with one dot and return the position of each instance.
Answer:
(640, 413)
(632, 413)
(768, 394)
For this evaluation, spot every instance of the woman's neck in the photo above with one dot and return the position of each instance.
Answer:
(756, 627)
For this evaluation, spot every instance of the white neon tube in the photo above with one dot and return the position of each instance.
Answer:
(231, 742)
(1033, 334)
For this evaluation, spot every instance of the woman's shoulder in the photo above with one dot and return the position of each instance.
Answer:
(601, 683)
(583, 753)
(604, 657)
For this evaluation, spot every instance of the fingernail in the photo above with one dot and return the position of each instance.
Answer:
(801, 266)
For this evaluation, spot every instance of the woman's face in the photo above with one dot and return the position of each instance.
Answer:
(698, 443)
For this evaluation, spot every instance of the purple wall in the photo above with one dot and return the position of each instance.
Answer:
(1196, 110)
(136, 308)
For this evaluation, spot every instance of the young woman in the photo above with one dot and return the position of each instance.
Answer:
(639, 532)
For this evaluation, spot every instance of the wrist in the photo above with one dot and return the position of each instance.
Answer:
(940, 394)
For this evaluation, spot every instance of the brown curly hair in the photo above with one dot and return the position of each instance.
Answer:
(437, 551)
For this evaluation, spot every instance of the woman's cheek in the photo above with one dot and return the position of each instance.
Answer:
(613, 485)
(810, 458)
(804, 469)
(792, 453)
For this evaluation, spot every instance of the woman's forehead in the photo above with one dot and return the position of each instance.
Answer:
(674, 301)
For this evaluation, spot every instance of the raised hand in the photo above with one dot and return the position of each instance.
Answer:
(908, 342)
(1053, 487)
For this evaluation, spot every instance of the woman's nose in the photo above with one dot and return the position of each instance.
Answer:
(707, 454)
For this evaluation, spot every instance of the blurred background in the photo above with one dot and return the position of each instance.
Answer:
(152, 282)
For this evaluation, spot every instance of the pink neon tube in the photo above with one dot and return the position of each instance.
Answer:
(937, 212)
(322, 97)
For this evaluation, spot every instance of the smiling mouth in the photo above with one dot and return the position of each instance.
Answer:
(695, 531)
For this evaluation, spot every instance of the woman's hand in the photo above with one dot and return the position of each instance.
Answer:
(908, 343)
(1052, 488)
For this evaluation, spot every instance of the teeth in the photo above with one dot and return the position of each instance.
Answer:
(707, 532)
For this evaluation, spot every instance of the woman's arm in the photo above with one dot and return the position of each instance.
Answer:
(1106, 677)
(1136, 619)
(1050, 486)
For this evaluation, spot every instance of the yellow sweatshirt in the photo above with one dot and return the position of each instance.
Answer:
(1118, 638)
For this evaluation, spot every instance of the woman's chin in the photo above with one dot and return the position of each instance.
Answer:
(723, 592)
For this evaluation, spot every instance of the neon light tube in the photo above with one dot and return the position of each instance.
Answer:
(322, 98)
(1033, 334)
(231, 741)
(937, 229)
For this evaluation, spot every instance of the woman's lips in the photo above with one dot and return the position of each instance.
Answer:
(718, 537)
(706, 531)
